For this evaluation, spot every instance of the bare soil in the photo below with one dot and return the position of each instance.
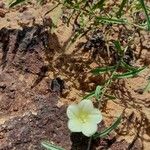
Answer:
(39, 78)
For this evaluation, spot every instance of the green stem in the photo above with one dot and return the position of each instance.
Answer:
(103, 94)
(146, 13)
(89, 143)
(108, 83)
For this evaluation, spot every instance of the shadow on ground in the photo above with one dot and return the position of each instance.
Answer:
(27, 56)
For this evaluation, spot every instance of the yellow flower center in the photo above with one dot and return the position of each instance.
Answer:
(83, 116)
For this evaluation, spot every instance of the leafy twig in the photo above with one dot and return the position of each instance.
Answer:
(146, 13)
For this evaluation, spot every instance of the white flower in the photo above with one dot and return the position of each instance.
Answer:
(83, 117)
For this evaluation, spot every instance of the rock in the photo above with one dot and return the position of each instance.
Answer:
(25, 18)
(22, 9)
(57, 85)
(120, 145)
(2, 5)
(2, 13)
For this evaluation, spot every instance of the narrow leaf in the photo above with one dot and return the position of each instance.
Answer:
(101, 70)
(119, 13)
(110, 96)
(68, 1)
(99, 5)
(16, 2)
(49, 146)
(126, 66)
(129, 74)
(118, 47)
(40, 1)
(98, 92)
(108, 130)
(90, 95)
(146, 13)
(110, 20)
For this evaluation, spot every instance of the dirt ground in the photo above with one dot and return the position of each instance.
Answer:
(39, 78)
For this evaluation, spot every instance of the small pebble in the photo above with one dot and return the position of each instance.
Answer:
(139, 91)
(2, 13)
(22, 9)
(2, 5)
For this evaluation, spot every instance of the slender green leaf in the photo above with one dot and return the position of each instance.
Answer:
(108, 130)
(110, 96)
(101, 70)
(119, 13)
(126, 66)
(118, 47)
(110, 20)
(90, 95)
(98, 92)
(68, 2)
(49, 146)
(146, 13)
(129, 74)
(15, 2)
(40, 1)
(98, 5)
(81, 21)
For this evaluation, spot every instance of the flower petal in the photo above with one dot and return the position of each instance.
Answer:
(72, 110)
(95, 116)
(89, 128)
(86, 105)
(75, 125)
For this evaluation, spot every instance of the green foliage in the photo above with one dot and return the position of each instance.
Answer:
(146, 13)
(108, 130)
(96, 13)
(110, 96)
(129, 74)
(49, 146)
(98, 5)
(98, 71)
(98, 92)
(92, 15)
(90, 95)
(15, 2)
(120, 11)
(39, 1)
(68, 2)
(108, 20)
(126, 66)
(118, 48)
(94, 94)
